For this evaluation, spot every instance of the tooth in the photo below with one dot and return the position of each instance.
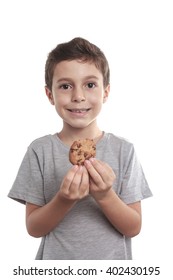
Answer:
(79, 110)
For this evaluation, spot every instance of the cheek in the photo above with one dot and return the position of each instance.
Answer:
(96, 106)
(59, 105)
(61, 100)
(96, 101)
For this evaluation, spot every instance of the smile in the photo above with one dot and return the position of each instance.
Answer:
(78, 110)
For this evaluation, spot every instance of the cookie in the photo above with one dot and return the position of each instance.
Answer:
(81, 150)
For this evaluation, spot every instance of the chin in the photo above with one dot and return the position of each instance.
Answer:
(79, 125)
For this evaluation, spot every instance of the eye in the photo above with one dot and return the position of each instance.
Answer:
(91, 85)
(65, 86)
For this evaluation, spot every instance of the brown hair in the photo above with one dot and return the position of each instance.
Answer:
(77, 48)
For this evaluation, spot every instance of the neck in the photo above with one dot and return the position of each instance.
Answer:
(70, 134)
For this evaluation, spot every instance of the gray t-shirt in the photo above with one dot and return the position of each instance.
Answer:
(85, 233)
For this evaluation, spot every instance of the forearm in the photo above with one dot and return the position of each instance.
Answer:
(123, 217)
(44, 219)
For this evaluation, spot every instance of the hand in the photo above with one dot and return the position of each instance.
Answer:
(101, 177)
(75, 184)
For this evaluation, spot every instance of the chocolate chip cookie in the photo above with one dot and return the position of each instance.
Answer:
(81, 150)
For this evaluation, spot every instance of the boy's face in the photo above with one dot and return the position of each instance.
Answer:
(77, 92)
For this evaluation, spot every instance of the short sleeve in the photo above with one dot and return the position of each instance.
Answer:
(28, 185)
(134, 186)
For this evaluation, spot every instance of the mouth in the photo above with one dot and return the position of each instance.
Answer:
(78, 111)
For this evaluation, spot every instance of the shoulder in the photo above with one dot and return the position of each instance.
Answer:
(43, 142)
(119, 141)
(119, 146)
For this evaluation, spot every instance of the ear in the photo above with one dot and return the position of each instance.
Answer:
(49, 95)
(106, 93)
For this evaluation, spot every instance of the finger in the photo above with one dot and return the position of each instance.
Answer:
(76, 182)
(93, 172)
(93, 186)
(105, 171)
(84, 187)
(98, 165)
(65, 186)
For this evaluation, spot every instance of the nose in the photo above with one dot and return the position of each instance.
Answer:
(78, 95)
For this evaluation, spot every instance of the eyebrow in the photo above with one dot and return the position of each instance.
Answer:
(85, 78)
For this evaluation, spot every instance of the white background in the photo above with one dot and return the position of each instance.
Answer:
(137, 38)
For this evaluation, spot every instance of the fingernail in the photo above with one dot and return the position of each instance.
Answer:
(87, 162)
(80, 168)
(92, 159)
(75, 167)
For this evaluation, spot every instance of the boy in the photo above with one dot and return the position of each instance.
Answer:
(81, 212)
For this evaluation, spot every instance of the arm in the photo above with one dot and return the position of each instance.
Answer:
(41, 220)
(125, 218)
